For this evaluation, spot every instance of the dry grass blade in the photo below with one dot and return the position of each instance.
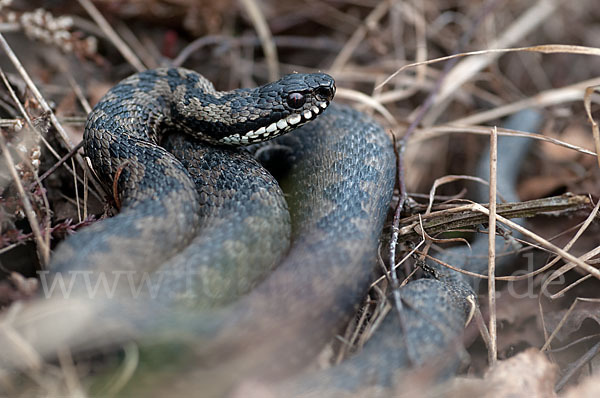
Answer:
(23, 112)
(77, 90)
(564, 320)
(43, 248)
(25, 115)
(575, 367)
(587, 102)
(108, 30)
(61, 161)
(395, 267)
(148, 59)
(446, 180)
(562, 292)
(527, 22)
(544, 49)
(26, 352)
(43, 103)
(543, 242)
(130, 365)
(573, 92)
(415, 14)
(367, 100)
(483, 331)
(567, 267)
(266, 38)
(445, 240)
(468, 273)
(585, 257)
(70, 372)
(430, 133)
(342, 58)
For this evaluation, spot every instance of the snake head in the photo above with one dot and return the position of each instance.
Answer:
(303, 91)
(281, 106)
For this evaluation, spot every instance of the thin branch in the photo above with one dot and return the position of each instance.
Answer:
(56, 165)
(464, 216)
(493, 349)
(395, 285)
(112, 35)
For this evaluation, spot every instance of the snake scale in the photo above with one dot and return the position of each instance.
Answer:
(337, 173)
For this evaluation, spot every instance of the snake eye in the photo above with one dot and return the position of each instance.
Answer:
(296, 100)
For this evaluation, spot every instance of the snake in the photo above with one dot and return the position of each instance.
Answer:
(262, 308)
(163, 142)
(189, 197)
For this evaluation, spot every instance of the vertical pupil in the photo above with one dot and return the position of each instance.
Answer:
(296, 100)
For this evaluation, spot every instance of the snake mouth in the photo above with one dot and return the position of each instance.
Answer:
(277, 128)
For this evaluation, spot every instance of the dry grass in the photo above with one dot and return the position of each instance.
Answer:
(437, 74)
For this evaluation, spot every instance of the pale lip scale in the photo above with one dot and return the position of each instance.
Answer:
(274, 129)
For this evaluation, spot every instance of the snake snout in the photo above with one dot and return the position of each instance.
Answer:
(326, 88)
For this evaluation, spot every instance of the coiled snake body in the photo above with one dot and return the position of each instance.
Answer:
(337, 174)
(338, 178)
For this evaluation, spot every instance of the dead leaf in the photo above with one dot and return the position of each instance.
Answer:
(583, 311)
(527, 375)
(588, 388)
(26, 286)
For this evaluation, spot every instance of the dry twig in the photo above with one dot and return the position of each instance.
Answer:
(493, 349)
